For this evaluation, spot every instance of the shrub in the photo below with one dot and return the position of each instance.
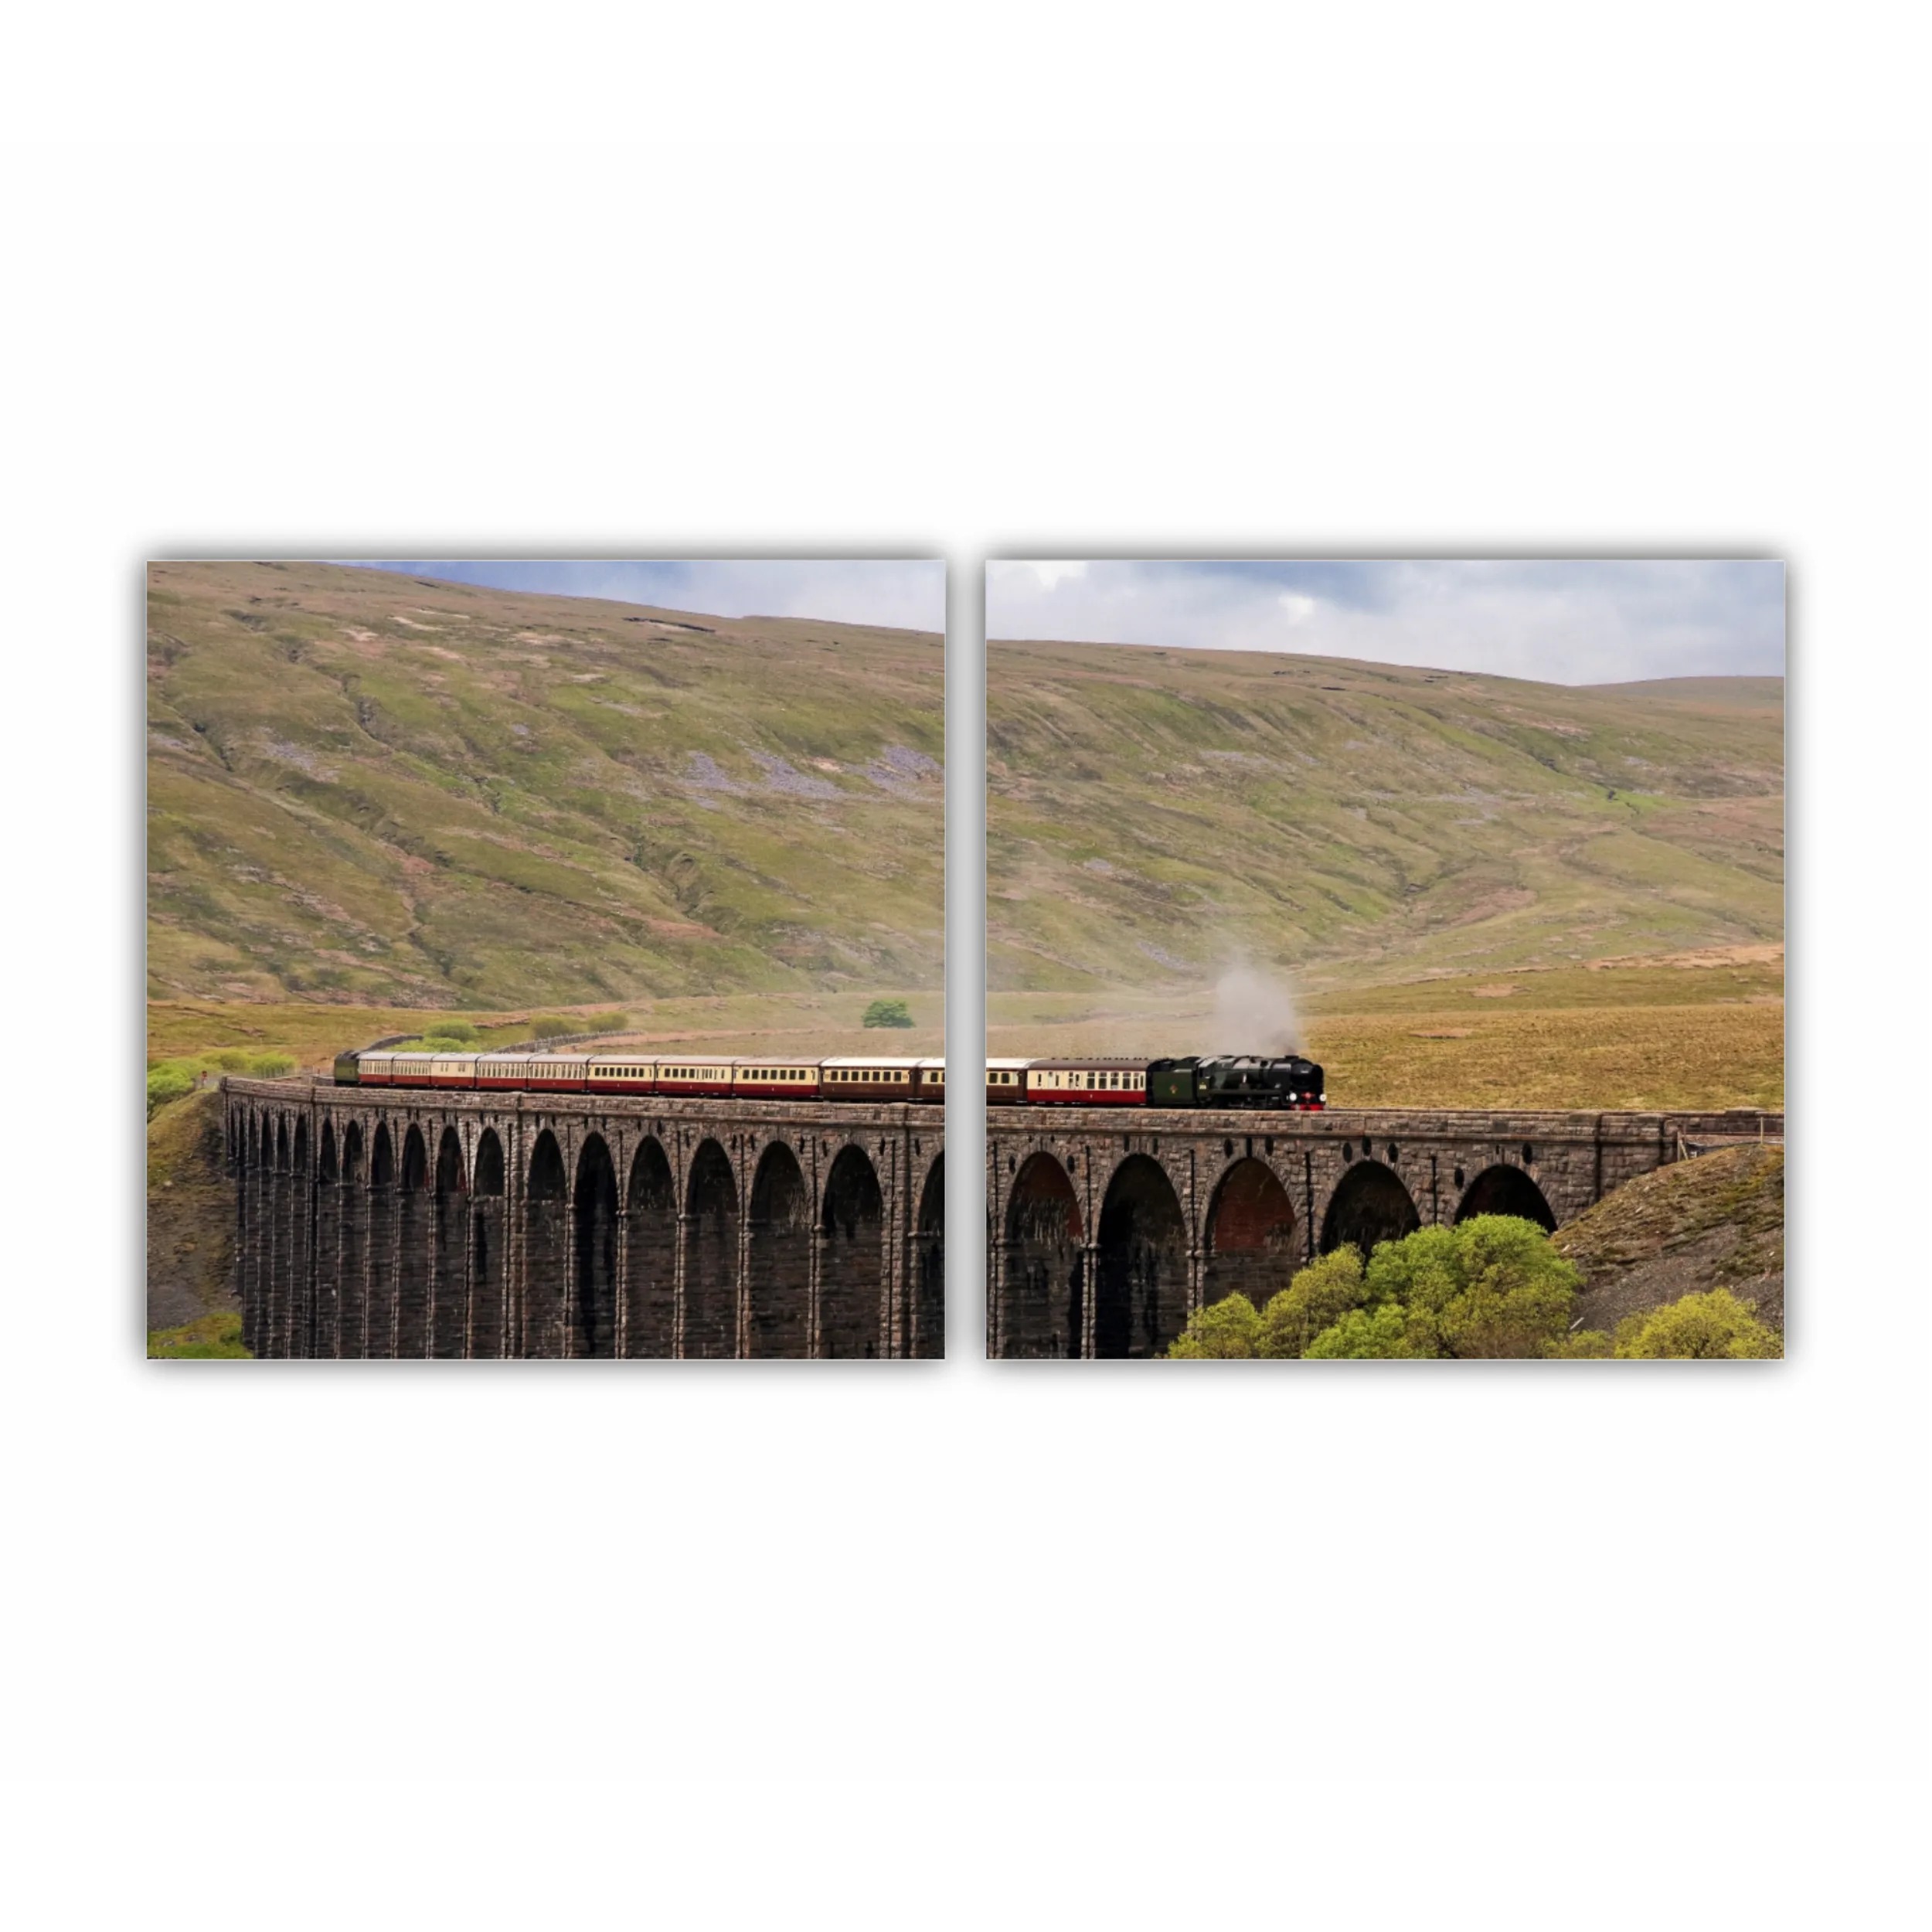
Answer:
(1226, 1330)
(555, 1026)
(888, 1012)
(1369, 1335)
(1493, 1286)
(1707, 1327)
(211, 1338)
(169, 1081)
(1319, 1296)
(457, 1032)
(605, 1023)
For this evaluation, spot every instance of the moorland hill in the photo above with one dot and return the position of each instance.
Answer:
(368, 787)
(1156, 815)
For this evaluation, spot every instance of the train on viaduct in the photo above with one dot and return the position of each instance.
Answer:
(425, 1223)
(419, 1223)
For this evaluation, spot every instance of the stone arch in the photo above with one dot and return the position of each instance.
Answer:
(281, 1143)
(449, 1313)
(298, 1158)
(711, 1255)
(852, 1271)
(1042, 1313)
(778, 1255)
(927, 1341)
(1139, 1302)
(351, 1299)
(650, 1252)
(328, 1163)
(1503, 1189)
(546, 1228)
(1248, 1242)
(1369, 1205)
(414, 1214)
(593, 1299)
(487, 1326)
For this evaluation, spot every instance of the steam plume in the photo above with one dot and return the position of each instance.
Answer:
(1254, 1013)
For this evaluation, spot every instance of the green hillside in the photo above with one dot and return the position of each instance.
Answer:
(372, 789)
(1154, 816)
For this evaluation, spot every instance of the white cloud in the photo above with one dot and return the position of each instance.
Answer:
(1556, 621)
(1044, 573)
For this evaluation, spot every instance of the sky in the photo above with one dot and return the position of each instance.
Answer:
(1595, 622)
(908, 593)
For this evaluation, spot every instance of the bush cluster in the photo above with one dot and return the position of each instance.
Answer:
(1494, 1287)
(212, 1338)
(888, 1012)
(174, 1079)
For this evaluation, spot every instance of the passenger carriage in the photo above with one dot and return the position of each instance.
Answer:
(860, 1076)
(1088, 1082)
(1006, 1081)
(620, 1073)
(699, 1077)
(757, 1080)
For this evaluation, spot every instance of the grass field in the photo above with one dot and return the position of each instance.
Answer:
(1645, 1036)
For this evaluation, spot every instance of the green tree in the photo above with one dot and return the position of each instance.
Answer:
(1368, 1334)
(1705, 1327)
(1226, 1330)
(888, 1012)
(1319, 1295)
(1493, 1286)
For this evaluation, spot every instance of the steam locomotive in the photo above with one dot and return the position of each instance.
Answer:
(1287, 1083)
(1228, 1081)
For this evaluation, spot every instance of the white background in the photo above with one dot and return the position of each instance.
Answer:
(962, 1643)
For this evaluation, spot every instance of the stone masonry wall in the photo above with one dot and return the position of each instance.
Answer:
(419, 1223)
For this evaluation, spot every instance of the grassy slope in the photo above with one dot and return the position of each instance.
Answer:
(1154, 815)
(367, 789)
(1486, 892)
(1717, 1221)
(190, 1235)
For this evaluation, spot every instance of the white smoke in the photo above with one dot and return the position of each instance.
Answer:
(1254, 1012)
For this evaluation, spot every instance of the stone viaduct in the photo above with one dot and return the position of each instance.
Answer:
(1106, 1227)
(425, 1223)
